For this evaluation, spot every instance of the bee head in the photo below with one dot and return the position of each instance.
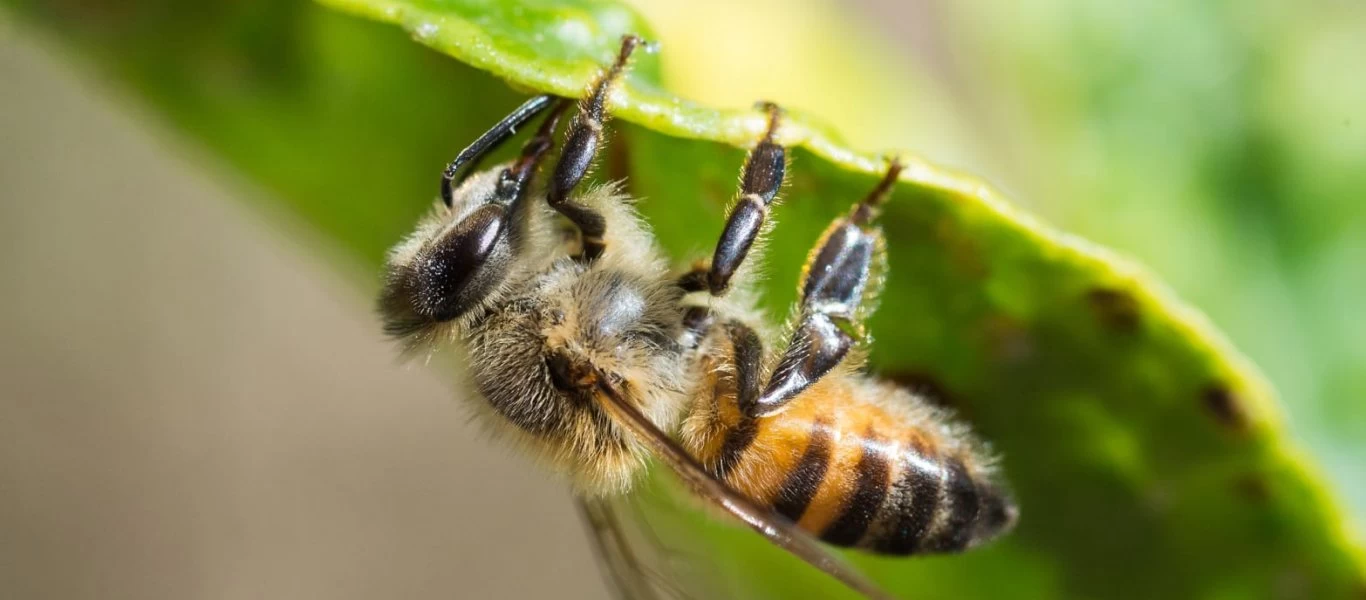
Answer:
(457, 258)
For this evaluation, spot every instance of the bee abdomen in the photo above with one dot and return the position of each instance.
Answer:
(938, 506)
(861, 476)
(890, 502)
(804, 480)
(871, 483)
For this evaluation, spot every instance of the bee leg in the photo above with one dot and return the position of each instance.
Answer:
(748, 350)
(695, 280)
(462, 266)
(513, 181)
(747, 364)
(580, 148)
(843, 276)
(748, 358)
(759, 184)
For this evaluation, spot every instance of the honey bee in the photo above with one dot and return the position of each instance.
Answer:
(591, 352)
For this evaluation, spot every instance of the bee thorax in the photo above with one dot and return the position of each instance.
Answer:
(569, 371)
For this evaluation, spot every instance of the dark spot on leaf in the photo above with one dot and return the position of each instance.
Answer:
(961, 249)
(1116, 309)
(1253, 488)
(1158, 498)
(1294, 582)
(926, 386)
(1008, 341)
(1226, 407)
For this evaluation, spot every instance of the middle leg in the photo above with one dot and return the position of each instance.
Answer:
(840, 282)
(581, 144)
(760, 181)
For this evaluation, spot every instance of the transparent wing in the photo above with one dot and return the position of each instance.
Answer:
(778, 530)
(635, 563)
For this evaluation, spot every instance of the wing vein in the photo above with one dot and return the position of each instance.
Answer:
(776, 528)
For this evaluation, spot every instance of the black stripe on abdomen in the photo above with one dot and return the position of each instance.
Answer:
(916, 493)
(964, 503)
(733, 448)
(802, 482)
(869, 492)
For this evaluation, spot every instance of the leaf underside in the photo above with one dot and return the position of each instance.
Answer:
(1148, 457)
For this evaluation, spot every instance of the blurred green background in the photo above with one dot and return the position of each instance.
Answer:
(1222, 143)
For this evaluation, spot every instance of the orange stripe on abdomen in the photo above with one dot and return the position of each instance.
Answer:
(833, 492)
(804, 480)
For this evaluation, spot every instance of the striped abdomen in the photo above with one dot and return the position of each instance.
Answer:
(857, 463)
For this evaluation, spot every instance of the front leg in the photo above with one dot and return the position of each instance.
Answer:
(457, 267)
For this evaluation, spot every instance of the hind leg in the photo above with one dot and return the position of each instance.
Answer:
(841, 281)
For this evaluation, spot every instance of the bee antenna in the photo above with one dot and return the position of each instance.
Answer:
(491, 140)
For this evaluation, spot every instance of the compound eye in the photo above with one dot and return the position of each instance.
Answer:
(460, 268)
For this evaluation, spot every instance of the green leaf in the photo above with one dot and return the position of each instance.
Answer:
(1249, 119)
(1148, 456)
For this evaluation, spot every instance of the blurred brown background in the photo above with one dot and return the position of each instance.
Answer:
(191, 408)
